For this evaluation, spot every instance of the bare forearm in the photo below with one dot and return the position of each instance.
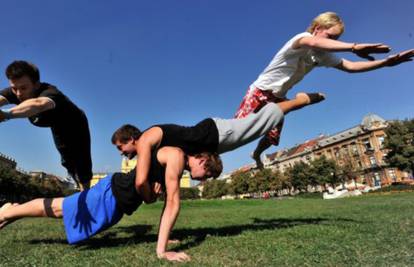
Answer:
(167, 223)
(31, 107)
(362, 66)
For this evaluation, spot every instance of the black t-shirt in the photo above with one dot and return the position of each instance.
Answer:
(203, 137)
(123, 185)
(65, 114)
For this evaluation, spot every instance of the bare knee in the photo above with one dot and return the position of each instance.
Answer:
(53, 207)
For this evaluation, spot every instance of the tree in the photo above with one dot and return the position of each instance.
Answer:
(300, 175)
(279, 181)
(189, 193)
(239, 183)
(324, 171)
(214, 189)
(400, 143)
(19, 187)
(260, 182)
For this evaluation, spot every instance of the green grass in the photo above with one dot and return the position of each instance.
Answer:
(371, 230)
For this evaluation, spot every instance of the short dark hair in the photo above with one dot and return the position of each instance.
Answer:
(124, 133)
(213, 165)
(20, 68)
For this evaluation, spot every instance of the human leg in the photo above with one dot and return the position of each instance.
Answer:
(301, 100)
(234, 133)
(74, 146)
(41, 207)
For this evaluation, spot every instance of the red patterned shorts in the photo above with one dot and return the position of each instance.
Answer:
(253, 101)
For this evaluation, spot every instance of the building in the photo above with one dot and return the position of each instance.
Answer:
(96, 177)
(7, 161)
(360, 147)
(42, 177)
(128, 164)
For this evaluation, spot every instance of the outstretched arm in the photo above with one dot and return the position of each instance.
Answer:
(174, 159)
(361, 66)
(28, 108)
(326, 44)
(147, 141)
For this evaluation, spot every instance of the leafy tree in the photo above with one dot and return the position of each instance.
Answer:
(19, 187)
(400, 142)
(279, 181)
(189, 193)
(260, 181)
(324, 171)
(214, 189)
(239, 183)
(300, 175)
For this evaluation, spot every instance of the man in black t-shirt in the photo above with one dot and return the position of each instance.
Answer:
(45, 106)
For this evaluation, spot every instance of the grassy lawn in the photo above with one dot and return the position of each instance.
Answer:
(371, 230)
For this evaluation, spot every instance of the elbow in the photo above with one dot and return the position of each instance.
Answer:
(42, 104)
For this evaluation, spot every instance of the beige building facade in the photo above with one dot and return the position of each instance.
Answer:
(360, 147)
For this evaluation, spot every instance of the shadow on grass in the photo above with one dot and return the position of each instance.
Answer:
(195, 236)
(198, 235)
(137, 234)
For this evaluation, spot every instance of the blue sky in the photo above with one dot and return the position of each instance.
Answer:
(150, 62)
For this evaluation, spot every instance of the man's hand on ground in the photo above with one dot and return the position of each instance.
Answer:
(174, 256)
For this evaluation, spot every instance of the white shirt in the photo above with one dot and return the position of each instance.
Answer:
(289, 66)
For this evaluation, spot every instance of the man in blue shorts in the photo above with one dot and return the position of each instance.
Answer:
(102, 206)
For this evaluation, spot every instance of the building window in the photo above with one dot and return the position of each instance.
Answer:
(372, 161)
(381, 141)
(377, 179)
(354, 149)
(336, 152)
(367, 144)
(391, 172)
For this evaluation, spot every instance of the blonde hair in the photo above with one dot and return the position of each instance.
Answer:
(326, 20)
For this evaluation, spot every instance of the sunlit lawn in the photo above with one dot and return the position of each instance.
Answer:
(372, 230)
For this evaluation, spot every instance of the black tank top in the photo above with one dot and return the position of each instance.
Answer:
(123, 185)
(203, 137)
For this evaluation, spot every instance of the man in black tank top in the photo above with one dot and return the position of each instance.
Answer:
(96, 209)
(209, 135)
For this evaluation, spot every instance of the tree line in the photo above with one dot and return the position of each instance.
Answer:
(399, 143)
(20, 187)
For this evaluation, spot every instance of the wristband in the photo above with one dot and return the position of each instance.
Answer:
(7, 114)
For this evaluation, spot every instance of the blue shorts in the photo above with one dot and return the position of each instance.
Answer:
(89, 212)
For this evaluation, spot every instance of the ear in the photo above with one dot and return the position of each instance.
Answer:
(202, 161)
(132, 140)
(317, 29)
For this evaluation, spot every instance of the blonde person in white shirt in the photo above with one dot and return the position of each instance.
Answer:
(313, 48)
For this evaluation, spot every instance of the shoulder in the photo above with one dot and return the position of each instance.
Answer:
(152, 135)
(169, 154)
(293, 42)
(46, 89)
